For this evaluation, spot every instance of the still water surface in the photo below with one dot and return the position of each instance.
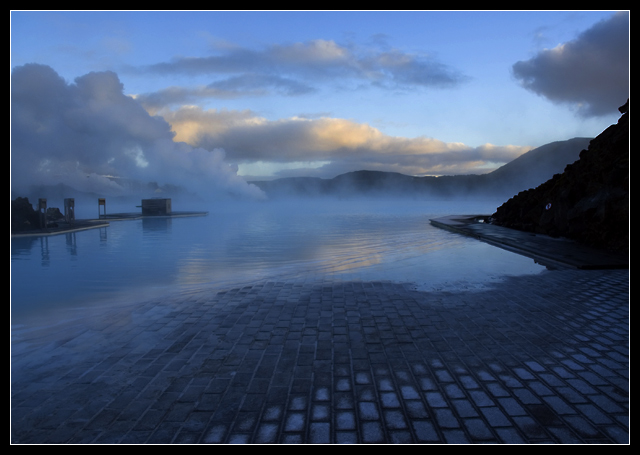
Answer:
(241, 243)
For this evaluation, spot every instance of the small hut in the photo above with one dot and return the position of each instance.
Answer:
(156, 206)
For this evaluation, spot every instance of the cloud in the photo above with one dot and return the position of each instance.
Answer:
(343, 145)
(85, 132)
(80, 133)
(244, 85)
(590, 73)
(300, 68)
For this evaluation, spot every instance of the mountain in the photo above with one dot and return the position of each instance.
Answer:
(526, 171)
(536, 166)
(588, 202)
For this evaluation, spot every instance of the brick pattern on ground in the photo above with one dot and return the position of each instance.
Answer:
(534, 359)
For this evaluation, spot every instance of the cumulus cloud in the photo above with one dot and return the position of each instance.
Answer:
(294, 69)
(84, 132)
(590, 73)
(341, 145)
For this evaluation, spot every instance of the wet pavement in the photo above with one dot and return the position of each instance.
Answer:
(531, 359)
(544, 249)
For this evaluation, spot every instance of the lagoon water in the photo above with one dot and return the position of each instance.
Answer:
(240, 243)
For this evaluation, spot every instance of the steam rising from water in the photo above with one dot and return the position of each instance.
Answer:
(241, 243)
(89, 135)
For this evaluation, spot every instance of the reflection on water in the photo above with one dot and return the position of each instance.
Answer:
(238, 243)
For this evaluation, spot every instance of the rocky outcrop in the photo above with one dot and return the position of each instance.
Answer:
(23, 216)
(588, 202)
(54, 214)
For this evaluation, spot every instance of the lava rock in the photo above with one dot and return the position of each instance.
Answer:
(588, 202)
(23, 216)
(54, 214)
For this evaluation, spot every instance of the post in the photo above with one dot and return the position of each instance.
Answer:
(69, 210)
(42, 209)
(102, 202)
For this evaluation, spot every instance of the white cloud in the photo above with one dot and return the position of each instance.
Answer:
(79, 132)
(76, 133)
(297, 69)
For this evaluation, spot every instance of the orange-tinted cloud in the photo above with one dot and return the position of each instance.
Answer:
(348, 145)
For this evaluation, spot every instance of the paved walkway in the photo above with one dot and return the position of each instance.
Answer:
(546, 250)
(534, 359)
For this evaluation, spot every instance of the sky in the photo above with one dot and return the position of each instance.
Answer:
(213, 99)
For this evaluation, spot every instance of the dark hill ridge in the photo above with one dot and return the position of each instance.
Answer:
(588, 202)
(534, 167)
(526, 171)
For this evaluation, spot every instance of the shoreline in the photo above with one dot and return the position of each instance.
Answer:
(545, 250)
(103, 221)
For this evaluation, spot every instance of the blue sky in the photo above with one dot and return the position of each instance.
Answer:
(272, 94)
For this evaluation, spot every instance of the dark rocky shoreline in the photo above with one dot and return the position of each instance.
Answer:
(588, 202)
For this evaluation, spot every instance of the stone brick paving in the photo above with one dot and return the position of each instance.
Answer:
(534, 359)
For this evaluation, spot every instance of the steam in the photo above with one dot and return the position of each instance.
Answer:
(89, 135)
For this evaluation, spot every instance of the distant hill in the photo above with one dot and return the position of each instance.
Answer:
(527, 171)
(540, 164)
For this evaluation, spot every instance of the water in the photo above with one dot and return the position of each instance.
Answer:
(241, 243)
